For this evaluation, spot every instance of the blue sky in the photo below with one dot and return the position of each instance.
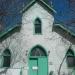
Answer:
(63, 10)
(61, 6)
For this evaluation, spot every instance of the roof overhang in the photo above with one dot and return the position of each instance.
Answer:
(5, 32)
(65, 29)
(64, 32)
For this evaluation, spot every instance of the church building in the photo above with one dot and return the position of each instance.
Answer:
(37, 46)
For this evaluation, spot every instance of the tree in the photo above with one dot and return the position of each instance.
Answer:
(9, 9)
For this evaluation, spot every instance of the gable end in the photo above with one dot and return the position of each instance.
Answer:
(42, 3)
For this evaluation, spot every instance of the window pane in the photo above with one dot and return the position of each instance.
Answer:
(38, 29)
(6, 61)
(38, 52)
(70, 58)
(37, 26)
(6, 58)
(70, 61)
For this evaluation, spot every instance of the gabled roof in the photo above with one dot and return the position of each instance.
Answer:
(3, 33)
(29, 3)
(41, 2)
(7, 29)
(47, 5)
(62, 26)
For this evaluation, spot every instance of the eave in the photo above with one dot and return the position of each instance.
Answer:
(5, 32)
(65, 28)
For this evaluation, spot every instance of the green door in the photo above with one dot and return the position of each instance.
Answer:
(33, 66)
(38, 66)
(42, 66)
(38, 61)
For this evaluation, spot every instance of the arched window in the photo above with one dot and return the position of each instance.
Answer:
(6, 58)
(38, 51)
(38, 26)
(70, 58)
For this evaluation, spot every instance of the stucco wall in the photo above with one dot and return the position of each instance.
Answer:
(22, 42)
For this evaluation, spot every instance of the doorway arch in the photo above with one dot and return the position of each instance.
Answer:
(38, 61)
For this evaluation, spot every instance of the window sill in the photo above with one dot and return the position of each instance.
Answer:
(37, 34)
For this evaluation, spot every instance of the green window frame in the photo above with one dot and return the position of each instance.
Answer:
(6, 58)
(38, 26)
(70, 58)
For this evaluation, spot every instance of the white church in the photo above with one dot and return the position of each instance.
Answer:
(38, 46)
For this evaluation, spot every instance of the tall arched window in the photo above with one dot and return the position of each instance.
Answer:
(38, 26)
(6, 58)
(70, 58)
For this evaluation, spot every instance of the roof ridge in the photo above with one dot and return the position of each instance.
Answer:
(33, 1)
